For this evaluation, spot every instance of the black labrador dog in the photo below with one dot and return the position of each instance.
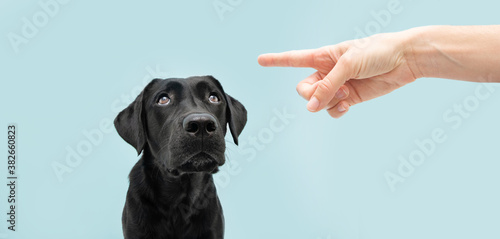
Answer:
(179, 126)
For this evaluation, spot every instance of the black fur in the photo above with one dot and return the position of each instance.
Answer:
(171, 192)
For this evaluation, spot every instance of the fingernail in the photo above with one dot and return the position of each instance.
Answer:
(340, 94)
(341, 108)
(313, 104)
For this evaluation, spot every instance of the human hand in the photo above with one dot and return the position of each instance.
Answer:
(350, 72)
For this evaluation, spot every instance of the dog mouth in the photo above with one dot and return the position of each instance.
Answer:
(200, 162)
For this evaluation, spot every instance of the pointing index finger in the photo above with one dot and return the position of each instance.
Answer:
(300, 58)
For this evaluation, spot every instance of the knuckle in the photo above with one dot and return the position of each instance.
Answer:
(346, 60)
(332, 104)
(318, 54)
(303, 92)
(325, 87)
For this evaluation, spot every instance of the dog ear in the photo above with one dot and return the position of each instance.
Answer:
(130, 123)
(236, 115)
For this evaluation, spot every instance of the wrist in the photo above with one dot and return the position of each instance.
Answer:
(419, 51)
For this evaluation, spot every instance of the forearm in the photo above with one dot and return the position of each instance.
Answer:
(469, 53)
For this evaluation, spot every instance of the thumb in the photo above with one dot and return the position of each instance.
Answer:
(326, 89)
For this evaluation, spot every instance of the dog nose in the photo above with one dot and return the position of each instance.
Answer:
(195, 123)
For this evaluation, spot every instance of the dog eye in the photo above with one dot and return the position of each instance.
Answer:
(163, 100)
(213, 98)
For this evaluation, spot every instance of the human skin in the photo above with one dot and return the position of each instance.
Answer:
(359, 70)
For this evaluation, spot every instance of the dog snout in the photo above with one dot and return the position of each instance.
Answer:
(198, 124)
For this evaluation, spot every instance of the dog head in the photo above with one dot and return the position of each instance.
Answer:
(182, 123)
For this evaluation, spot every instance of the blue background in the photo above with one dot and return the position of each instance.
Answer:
(316, 178)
